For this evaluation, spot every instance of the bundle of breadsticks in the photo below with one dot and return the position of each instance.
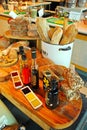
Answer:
(56, 35)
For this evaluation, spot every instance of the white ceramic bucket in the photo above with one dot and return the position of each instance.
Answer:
(59, 54)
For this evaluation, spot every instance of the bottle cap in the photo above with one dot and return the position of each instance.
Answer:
(24, 57)
(47, 73)
(33, 51)
(21, 49)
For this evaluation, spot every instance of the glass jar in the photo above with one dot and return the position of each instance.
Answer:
(51, 96)
(81, 3)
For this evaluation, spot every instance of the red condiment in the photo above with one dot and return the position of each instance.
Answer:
(26, 75)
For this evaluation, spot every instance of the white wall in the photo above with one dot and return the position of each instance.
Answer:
(79, 55)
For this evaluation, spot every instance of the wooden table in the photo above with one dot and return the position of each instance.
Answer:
(63, 116)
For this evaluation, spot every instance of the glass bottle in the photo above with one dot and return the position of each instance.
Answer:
(34, 71)
(21, 52)
(26, 72)
(51, 96)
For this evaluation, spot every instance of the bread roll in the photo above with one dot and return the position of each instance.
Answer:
(51, 31)
(42, 28)
(57, 35)
(69, 34)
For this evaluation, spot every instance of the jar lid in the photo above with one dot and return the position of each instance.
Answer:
(47, 73)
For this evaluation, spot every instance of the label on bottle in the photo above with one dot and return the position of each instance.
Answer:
(46, 79)
(35, 78)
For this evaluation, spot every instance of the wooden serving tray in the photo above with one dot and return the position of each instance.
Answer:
(9, 35)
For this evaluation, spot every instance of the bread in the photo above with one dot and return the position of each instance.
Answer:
(19, 26)
(32, 33)
(69, 34)
(4, 42)
(57, 35)
(32, 30)
(4, 75)
(51, 31)
(42, 28)
(12, 54)
(32, 27)
(8, 57)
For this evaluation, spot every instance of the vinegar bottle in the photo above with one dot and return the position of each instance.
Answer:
(21, 52)
(34, 71)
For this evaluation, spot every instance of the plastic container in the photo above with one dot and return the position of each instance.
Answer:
(71, 3)
(59, 54)
(6, 117)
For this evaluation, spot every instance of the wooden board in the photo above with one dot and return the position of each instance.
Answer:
(9, 35)
(12, 62)
(61, 117)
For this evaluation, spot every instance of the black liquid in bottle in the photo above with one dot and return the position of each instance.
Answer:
(34, 71)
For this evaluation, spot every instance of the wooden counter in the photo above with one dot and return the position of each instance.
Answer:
(82, 37)
(61, 117)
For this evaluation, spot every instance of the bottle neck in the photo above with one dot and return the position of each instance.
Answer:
(34, 64)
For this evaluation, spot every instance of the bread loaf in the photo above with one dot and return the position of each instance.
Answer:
(69, 34)
(51, 31)
(42, 28)
(4, 75)
(57, 35)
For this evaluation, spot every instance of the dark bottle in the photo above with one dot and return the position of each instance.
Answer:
(51, 97)
(21, 52)
(34, 71)
(26, 72)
